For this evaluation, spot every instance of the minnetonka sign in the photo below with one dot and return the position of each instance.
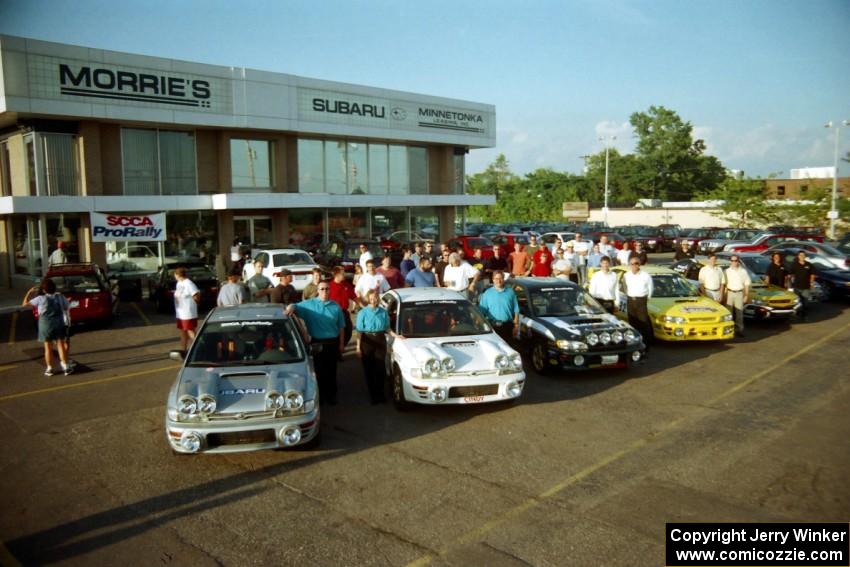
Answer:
(127, 228)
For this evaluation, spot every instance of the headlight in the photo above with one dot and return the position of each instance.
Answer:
(309, 406)
(592, 339)
(604, 337)
(502, 362)
(617, 337)
(727, 317)
(572, 345)
(447, 365)
(516, 360)
(275, 401)
(671, 319)
(187, 405)
(758, 302)
(652, 241)
(630, 335)
(206, 404)
(293, 400)
(513, 389)
(431, 366)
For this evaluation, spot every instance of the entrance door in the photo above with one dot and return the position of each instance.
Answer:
(256, 231)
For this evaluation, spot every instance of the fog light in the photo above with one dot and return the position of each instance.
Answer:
(191, 441)
(513, 389)
(728, 330)
(636, 356)
(679, 332)
(438, 394)
(578, 360)
(290, 435)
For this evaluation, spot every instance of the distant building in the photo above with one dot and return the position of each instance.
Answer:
(801, 187)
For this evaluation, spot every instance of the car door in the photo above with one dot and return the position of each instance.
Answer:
(391, 304)
(525, 321)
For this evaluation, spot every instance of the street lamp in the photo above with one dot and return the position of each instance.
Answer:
(833, 212)
(607, 140)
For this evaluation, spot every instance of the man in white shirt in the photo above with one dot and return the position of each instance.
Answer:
(738, 284)
(623, 254)
(186, 299)
(712, 281)
(460, 276)
(606, 249)
(365, 256)
(370, 280)
(603, 286)
(57, 256)
(581, 248)
(638, 286)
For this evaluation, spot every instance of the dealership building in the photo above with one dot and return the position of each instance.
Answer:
(220, 153)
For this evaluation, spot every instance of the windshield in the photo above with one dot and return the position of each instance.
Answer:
(647, 232)
(83, 283)
(747, 234)
(194, 273)
(672, 285)
(756, 264)
(726, 234)
(564, 302)
(828, 250)
(441, 318)
(292, 259)
(479, 242)
(245, 343)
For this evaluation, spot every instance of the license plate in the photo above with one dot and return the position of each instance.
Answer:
(608, 359)
(473, 399)
(74, 304)
(304, 277)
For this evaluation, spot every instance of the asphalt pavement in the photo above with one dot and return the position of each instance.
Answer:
(584, 470)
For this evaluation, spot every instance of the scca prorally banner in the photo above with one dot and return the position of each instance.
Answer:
(127, 228)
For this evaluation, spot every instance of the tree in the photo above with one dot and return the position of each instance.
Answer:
(675, 161)
(743, 202)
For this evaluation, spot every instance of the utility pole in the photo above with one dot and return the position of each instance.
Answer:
(607, 140)
(833, 212)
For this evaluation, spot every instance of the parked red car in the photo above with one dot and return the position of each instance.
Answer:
(615, 239)
(87, 290)
(506, 241)
(765, 241)
(469, 243)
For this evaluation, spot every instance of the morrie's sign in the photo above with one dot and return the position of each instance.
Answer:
(127, 228)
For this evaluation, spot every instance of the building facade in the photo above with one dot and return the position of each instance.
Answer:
(797, 189)
(225, 153)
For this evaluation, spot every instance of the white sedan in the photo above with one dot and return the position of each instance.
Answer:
(446, 352)
(297, 261)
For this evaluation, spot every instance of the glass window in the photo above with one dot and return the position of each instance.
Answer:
(335, 168)
(358, 171)
(177, 163)
(27, 242)
(192, 235)
(780, 190)
(425, 222)
(158, 162)
(378, 174)
(63, 228)
(306, 228)
(399, 182)
(60, 164)
(344, 224)
(418, 160)
(311, 177)
(459, 163)
(391, 224)
(251, 165)
(32, 181)
(141, 167)
(5, 173)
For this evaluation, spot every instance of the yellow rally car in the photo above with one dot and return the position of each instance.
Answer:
(766, 301)
(677, 310)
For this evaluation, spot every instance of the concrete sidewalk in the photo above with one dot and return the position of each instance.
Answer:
(10, 300)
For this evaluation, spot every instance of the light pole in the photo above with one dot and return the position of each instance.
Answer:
(606, 139)
(833, 212)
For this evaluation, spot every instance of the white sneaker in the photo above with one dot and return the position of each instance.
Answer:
(48, 372)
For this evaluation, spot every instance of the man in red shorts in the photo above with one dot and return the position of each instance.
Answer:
(186, 299)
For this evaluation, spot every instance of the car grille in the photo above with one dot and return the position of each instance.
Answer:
(781, 302)
(702, 319)
(465, 391)
(241, 437)
(242, 415)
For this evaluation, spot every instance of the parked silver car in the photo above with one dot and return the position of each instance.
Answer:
(728, 236)
(246, 384)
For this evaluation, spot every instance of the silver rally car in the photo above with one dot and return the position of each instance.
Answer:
(247, 383)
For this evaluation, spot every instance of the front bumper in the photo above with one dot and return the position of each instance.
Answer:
(569, 361)
(761, 312)
(246, 434)
(479, 389)
(694, 331)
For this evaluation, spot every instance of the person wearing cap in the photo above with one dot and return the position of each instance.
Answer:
(57, 256)
(684, 252)
(284, 292)
(738, 285)
(234, 291)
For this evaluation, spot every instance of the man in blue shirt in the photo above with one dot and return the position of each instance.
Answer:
(407, 265)
(421, 276)
(372, 322)
(499, 304)
(326, 326)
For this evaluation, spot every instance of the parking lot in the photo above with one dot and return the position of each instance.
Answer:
(584, 470)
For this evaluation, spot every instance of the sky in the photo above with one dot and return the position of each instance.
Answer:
(757, 79)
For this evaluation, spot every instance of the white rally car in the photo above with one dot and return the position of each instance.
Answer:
(446, 352)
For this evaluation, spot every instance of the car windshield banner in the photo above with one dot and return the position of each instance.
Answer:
(127, 228)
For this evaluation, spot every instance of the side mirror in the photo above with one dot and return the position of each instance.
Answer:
(177, 355)
(315, 348)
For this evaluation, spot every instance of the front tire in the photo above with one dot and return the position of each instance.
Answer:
(538, 359)
(397, 390)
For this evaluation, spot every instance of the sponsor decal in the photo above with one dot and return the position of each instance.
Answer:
(698, 309)
(241, 391)
(241, 323)
(101, 82)
(127, 228)
(398, 113)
